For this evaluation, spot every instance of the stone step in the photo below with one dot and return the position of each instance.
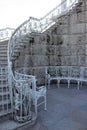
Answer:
(15, 54)
(3, 58)
(4, 85)
(3, 55)
(19, 46)
(3, 50)
(3, 64)
(3, 98)
(13, 58)
(4, 93)
(3, 79)
(16, 50)
(4, 45)
(5, 102)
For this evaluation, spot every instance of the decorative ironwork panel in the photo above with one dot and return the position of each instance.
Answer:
(5, 102)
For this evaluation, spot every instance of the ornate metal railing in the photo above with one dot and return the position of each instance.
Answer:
(6, 33)
(36, 25)
(30, 26)
(5, 107)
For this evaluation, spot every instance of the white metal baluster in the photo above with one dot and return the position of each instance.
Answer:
(10, 83)
(2, 89)
(7, 96)
(21, 101)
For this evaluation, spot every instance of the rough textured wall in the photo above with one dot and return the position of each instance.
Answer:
(73, 29)
(63, 44)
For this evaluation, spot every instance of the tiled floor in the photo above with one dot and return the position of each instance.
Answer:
(67, 109)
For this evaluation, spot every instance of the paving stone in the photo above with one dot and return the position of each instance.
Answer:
(66, 110)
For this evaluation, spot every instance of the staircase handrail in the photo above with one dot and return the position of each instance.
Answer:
(42, 19)
(41, 25)
(29, 26)
(52, 13)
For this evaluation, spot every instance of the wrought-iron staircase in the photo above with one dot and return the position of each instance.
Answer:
(24, 33)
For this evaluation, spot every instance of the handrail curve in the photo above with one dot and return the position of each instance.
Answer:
(37, 25)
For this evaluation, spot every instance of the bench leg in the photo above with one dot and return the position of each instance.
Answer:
(78, 84)
(68, 83)
(81, 84)
(48, 84)
(45, 107)
(58, 83)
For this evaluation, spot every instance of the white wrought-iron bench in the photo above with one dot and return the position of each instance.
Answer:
(68, 73)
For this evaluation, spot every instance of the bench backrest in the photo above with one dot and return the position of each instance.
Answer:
(67, 71)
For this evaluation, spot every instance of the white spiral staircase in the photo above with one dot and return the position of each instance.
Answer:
(24, 33)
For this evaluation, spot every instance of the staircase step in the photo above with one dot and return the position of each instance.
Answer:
(13, 58)
(15, 54)
(19, 47)
(4, 93)
(3, 45)
(3, 53)
(4, 97)
(3, 64)
(5, 102)
(3, 50)
(5, 113)
(3, 85)
(4, 42)
(3, 58)
(4, 90)
(3, 79)
(16, 50)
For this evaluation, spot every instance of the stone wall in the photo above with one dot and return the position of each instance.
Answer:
(73, 30)
(65, 43)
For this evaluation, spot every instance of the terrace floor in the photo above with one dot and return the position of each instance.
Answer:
(66, 110)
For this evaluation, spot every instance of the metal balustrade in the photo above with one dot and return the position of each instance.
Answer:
(5, 103)
(6, 33)
(37, 25)
(24, 32)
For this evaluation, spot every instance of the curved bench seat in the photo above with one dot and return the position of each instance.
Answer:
(68, 73)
